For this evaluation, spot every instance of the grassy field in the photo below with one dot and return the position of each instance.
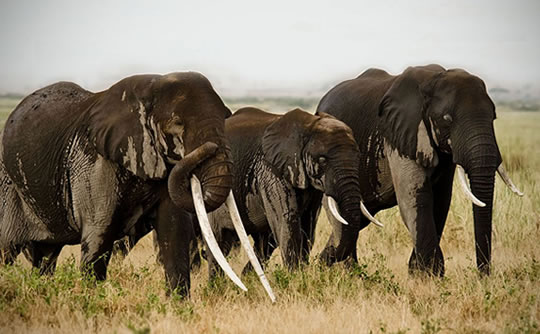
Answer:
(376, 295)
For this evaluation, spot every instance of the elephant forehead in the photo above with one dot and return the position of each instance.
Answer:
(333, 127)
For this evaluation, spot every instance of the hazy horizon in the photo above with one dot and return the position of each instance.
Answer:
(244, 48)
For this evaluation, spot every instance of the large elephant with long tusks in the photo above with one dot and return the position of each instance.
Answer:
(413, 130)
(83, 167)
(284, 166)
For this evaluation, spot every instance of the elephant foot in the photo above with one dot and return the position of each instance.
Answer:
(432, 265)
(178, 286)
(331, 255)
(195, 261)
(9, 255)
(328, 256)
(121, 247)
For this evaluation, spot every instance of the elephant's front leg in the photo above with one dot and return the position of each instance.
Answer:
(43, 256)
(281, 208)
(311, 208)
(173, 229)
(415, 199)
(94, 187)
(264, 246)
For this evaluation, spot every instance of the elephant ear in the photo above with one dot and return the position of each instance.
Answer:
(282, 145)
(124, 130)
(401, 109)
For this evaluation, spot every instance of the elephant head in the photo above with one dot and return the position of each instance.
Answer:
(164, 121)
(317, 151)
(432, 113)
(172, 127)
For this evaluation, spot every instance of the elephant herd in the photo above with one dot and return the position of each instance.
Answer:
(159, 152)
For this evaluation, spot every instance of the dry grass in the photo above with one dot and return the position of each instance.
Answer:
(375, 295)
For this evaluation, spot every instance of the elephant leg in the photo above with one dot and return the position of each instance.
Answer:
(309, 222)
(9, 254)
(94, 207)
(96, 248)
(442, 196)
(264, 247)
(172, 235)
(342, 242)
(415, 200)
(43, 256)
(136, 233)
(194, 251)
(281, 209)
(122, 246)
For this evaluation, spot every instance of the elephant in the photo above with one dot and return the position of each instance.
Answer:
(283, 166)
(88, 168)
(413, 130)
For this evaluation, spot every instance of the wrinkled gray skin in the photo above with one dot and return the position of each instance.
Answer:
(412, 129)
(90, 168)
(283, 166)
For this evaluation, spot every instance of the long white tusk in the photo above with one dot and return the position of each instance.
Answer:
(369, 216)
(241, 231)
(208, 234)
(465, 187)
(508, 181)
(332, 205)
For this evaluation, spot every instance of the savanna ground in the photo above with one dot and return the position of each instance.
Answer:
(375, 295)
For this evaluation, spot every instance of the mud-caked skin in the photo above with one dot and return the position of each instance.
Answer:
(283, 166)
(89, 168)
(412, 129)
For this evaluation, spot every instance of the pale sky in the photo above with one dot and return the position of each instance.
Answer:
(245, 46)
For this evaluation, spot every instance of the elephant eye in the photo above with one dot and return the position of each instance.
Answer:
(447, 118)
(322, 161)
(177, 121)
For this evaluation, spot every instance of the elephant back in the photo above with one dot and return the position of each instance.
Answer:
(356, 103)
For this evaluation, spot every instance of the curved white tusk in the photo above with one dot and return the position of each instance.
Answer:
(208, 234)
(244, 240)
(508, 181)
(369, 216)
(465, 187)
(332, 205)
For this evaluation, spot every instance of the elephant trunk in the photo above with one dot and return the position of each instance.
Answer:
(212, 166)
(482, 160)
(482, 182)
(348, 197)
(216, 177)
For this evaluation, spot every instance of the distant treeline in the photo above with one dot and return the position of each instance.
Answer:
(520, 105)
